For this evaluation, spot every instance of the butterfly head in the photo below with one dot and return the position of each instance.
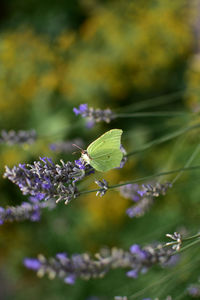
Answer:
(85, 157)
(80, 149)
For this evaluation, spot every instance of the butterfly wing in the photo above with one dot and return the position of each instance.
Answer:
(105, 153)
(106, 163)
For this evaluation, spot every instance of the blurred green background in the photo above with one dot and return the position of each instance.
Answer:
(55, 55)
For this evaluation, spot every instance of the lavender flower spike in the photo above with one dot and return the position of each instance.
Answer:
(94, 115)
(48, 180)
(103, 187)
(194, 290)
(18, 137)
(85, 267)
(143, 196)
(25, 211)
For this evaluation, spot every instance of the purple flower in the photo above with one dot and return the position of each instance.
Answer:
(132, 274)
(83, 108)
(135, 198)
(18, 137)
(2, 210)
(35, 217)
(130, 191)
(44, 180)
(90, 123)
(173, 260)
(46, 159)
(61, 256)
(134, 211)
(52, 147)
(94, 115)
(25, 211)
(194, 290)
(141, 193)
(70, 279)
(85, 267)
(144, 196)
(76, 111)
(32, 263)
(135, 249)
(81, 170)
(37, 197)
(80, 163)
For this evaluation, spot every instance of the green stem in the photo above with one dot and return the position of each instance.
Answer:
(144, 178)
(177, 271)
(151, 114)
(189, 245)
(192, 237)
(164, 138)
(164, 279)
(152, 102)
(196, 151)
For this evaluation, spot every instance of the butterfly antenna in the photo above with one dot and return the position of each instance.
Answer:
(77, 147)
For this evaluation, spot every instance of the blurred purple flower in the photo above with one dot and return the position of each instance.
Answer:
(32, 263)
(194, 290)
(94, 115)
(85, 267)
(132, 274)
(90, 123)
(18, 137)
(61, 256)
(143, 196)
(26, 211)
(174, 259)
(70, 279)
(135, 249)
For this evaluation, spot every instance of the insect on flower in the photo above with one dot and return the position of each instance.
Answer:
(104, 153)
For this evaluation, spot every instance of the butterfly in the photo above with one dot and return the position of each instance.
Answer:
(104, 153)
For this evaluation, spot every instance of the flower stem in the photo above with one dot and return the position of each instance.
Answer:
(152, 114)
(152, 102)
(192, 237)
(146, 178)
(189, 245)
(164, 138)
(196, 151)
